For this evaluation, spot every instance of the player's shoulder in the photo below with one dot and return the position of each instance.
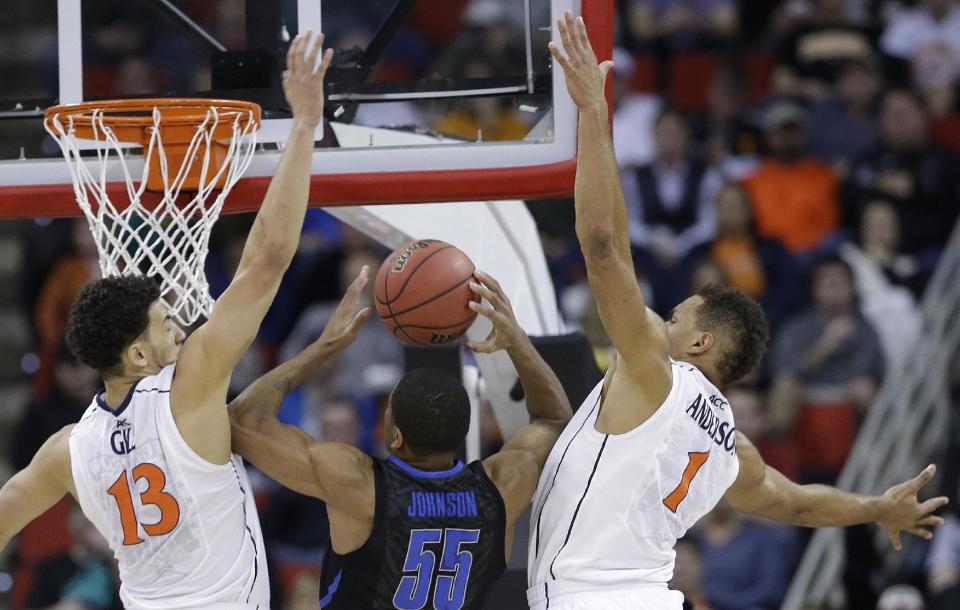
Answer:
(54, 454)
(156, 384)
(340, 464)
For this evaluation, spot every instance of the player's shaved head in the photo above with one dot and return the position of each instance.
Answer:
(431, 410)
(741, 325)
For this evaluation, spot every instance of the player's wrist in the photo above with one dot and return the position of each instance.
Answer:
(305, 123)
(596, 107)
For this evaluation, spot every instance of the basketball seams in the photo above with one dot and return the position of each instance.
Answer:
(410, 274)
(426, 329)
(393, 317)
(431, 299)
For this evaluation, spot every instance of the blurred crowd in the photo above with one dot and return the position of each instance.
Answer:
(804, 151)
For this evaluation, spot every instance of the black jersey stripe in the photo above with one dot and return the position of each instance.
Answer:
(579, 504)
(557, 471)
(253, 540)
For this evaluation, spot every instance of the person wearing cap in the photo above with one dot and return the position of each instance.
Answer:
(795, 196)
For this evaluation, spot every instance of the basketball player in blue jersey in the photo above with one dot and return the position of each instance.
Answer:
(419, 529)
(654, 447)
(150, 460)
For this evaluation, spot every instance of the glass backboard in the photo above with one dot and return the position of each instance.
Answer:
(428, 100)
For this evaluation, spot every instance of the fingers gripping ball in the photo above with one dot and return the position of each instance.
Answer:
(422, 292)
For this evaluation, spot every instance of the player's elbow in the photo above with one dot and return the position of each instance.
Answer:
(242, 416)
(273, 246)
(597, 243)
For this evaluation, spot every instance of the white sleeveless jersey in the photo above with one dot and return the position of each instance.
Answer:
(609, 508)
(184, 531)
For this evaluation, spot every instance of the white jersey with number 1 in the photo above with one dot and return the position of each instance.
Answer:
(184, 531)
(610, 508)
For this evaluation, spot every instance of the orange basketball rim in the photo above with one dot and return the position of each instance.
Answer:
(177, 122)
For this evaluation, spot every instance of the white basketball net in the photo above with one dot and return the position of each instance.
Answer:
(167, 242)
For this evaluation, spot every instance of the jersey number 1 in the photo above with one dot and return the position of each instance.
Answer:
(154, 495)
(697, 460)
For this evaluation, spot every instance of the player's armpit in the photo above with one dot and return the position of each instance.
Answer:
(536, 438)
(754, 492)
(33, 490)
(516, 473)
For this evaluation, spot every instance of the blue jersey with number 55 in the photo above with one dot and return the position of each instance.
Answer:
(437, 543)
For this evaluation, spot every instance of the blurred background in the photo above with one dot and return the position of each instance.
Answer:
(804, 151)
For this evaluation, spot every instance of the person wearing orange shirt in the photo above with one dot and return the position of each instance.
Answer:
(795, 196)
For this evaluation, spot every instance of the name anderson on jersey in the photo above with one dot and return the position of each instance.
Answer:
(721, 432)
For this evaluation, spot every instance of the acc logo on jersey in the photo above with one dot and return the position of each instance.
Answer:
(121, 440)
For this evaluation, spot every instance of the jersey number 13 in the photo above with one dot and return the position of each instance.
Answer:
(152, 495)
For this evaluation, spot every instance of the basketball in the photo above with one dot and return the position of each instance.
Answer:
(422, 292)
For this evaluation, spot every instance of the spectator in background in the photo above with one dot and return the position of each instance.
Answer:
(820, 39)
(928, 37)
(69, 396)
(919, 178)
(634, 114)
(747, 564)
(728, 132)
(750, 414)
(688, 574)
(684, 23)
(845, 120)
(74, 269)
(827, 363)
(881, 274)
(670, 201)
(85, 578)
(375, 358)
(482, 118)
(759, 267)
(794, 194)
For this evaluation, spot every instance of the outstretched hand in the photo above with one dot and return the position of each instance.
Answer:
(346, 320)
(303, 78)
(905, 512)
(506, 332)
(585, 79)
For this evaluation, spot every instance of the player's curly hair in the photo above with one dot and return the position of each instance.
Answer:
(740, 321)
(107, 316)
(432, 410)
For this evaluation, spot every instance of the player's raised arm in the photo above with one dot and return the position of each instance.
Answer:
(516, 468)
(601, 212)
(29, 493)
(762, 491)
(209, 355)
(285, 453)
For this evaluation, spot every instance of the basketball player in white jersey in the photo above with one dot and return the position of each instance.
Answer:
(150, 460)
(654, 447)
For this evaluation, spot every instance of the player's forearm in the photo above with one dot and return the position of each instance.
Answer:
(545, 397)
(601, 214)
(825, 506)
(263, 398)
(276, 230)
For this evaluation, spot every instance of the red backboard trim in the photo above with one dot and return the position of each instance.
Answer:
(538, 181)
